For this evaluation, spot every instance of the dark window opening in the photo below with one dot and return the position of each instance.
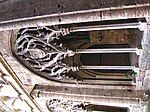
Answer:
(102, 108)
(107, 59)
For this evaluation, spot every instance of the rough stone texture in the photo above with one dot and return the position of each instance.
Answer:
(78, 17)
(146, 83)
(144, 61)
(97, 92)
(14, 9)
